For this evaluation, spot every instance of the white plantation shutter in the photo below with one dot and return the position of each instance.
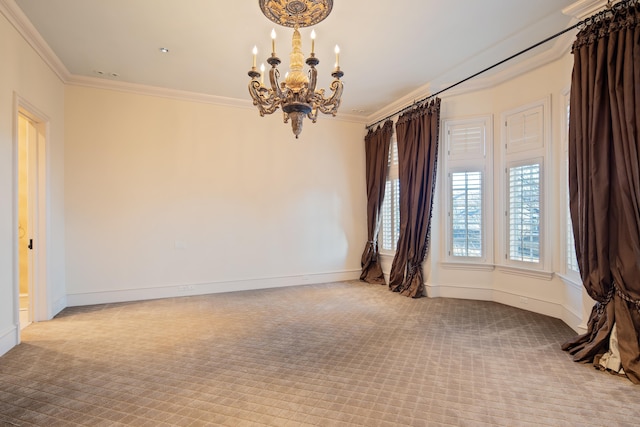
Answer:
(390, 223)
(525, 130)
(571, 260)
(466, 214)
(524, 212)
(466, 141)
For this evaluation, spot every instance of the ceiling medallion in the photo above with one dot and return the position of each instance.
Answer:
(290, 13)
(297, 95)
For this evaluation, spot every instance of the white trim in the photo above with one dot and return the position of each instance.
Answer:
(474, 266)
(561, 47)
(25, 28)
(485, 167)
(573, 320)
(40, 293)
(570, 281)
(470, 292)
(9, 338)
(180, 95)
(58, 305)
(526, 272)
(584, 8)
(180, 290)
(485, 293)
(395, 107)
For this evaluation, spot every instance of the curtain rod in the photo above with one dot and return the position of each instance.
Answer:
(426, 98)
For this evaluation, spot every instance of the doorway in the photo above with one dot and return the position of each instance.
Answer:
(31, 138)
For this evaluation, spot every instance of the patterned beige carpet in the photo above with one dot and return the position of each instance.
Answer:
(338, 354)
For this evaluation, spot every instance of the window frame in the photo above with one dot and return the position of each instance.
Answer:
(467, 163)
(515, 164)
(392, 174)
(522, 155)
(570, 273)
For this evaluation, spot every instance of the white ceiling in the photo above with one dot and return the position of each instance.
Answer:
(389, 49)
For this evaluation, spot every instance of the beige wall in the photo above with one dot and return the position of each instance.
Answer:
(164, 195)
(25, 75)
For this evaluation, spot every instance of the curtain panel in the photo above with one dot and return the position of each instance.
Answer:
(417, 134)
(604, 186)
(377, 145)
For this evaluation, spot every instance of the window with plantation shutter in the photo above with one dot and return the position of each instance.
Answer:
(525, 130)
(466, 214)
(525, 153)
(571, 261)
(390, 222)
(468, 204)
(524, 213)
(466, 141)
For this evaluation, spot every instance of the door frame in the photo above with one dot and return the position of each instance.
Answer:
(38, 292)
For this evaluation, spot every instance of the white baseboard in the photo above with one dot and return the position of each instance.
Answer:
(459, 292)
(58, 305)
(180, 290)
(8, 339)
(548, 308)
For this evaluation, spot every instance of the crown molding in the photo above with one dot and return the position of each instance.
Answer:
(140, 89)
(399, 105)
(25, 28)
(175, 94)
(561, 47)
(584, 8)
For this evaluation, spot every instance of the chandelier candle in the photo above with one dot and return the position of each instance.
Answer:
(313, 42)
(273, 42)
(297, 94)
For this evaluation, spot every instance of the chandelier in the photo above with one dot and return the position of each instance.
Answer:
(297, 94)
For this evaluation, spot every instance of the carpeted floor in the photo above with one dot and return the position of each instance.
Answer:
(337, 354)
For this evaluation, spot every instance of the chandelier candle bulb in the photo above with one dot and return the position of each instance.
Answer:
(273, 42)
(313, 41)
(262, 74)
(255, 52)
(337, 50)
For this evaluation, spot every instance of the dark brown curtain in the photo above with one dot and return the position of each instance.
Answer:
(604, 182)
(417, 134)
(377, 168)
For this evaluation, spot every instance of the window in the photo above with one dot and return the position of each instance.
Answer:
(524, 213)
(466, 214)
(467, 206)
(571, 262)
(390, 224)
(525, 153)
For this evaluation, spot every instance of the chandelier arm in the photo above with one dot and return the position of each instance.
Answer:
(265, 99)
(313, 77)
(274, 75)
(329, 105)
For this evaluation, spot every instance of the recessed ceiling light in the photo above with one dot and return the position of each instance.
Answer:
(164, 50)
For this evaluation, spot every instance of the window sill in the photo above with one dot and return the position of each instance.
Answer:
(467, 266)
(571, 281)
(526, 272)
